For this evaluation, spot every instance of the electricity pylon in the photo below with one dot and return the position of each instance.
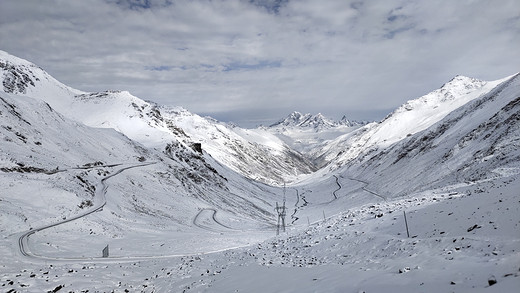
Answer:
(281, 217)
(281, 211)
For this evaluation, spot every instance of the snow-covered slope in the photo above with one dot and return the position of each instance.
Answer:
(462, 239)
(456, 181)
(412, 117)
(472, 142)
(35, 135)
(53, 169)
(119, 110)
(39, 141)
(254, 154)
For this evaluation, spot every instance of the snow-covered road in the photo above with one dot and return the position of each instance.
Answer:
(203, 215)
(99, 203)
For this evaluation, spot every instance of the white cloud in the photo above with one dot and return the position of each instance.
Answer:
(265, 58)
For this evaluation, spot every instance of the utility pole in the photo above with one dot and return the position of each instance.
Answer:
(284, 191)
(406, 223)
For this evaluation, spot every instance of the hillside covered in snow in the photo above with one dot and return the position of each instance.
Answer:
(426, 200)
(254, 153)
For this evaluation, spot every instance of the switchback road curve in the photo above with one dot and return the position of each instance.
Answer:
(101, 188)
(196, 221)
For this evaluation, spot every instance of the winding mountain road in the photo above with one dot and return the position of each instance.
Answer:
(296, 207)
(100, 201)
(339, 187)
(293, 216)
(100, 196)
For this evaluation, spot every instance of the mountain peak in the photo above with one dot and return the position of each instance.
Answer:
(297, 119)
(23, 77)
(292, 119)
(460, 85)
(351, 123)
(317, 121)
(8, 58)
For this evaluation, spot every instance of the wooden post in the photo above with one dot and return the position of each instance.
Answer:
(278, 222)
(406, 223)
(105, 251)
(283, 216)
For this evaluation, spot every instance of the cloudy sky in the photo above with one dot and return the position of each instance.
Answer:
(256, 61)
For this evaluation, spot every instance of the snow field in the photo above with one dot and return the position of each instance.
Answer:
(362, 249)
(366, 250)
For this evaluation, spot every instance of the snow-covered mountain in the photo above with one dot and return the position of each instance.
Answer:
(317, 122)
(255, 154)
(352, 123)
(473, 142)
(53, 166)
(35, 136)
(40, 142)
(83, 171)
(297, 119)
(410, 118)
(307, 132)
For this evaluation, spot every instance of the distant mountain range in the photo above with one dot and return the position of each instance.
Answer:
(292, 147)
(317, 122)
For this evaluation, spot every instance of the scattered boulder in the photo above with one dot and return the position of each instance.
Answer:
(474, 227)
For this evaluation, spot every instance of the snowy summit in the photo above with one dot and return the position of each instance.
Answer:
(317, 122)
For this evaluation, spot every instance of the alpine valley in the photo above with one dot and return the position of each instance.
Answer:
(106, 192)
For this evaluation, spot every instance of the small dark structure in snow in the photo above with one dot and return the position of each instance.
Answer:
(492, 280)
(197, 146)
(105, 251)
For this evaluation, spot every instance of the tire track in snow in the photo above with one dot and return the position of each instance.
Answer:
(368, 190)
